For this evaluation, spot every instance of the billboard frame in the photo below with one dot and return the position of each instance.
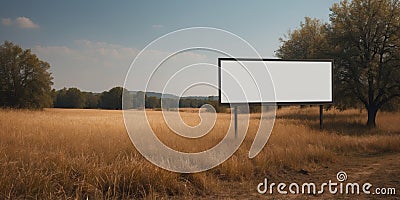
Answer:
(276, 103)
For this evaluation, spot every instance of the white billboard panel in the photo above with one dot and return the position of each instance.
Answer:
(275, 81)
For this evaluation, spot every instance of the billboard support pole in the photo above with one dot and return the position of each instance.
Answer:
(321, 116)
(235, 116)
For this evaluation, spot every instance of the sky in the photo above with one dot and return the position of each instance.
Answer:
(91, 45)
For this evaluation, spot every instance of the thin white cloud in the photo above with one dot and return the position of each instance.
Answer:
(157, 26)
(105, 51)
(21, 22)
(6, 21)
(24, 22)
(49, 50)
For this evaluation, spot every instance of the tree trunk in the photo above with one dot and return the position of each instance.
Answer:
(372, 111)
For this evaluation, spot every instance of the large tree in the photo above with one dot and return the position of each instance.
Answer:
(25, 81)
(363, 38)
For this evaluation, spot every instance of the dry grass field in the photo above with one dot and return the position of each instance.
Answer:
(79, 154)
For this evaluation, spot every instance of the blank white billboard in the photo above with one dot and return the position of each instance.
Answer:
(275, 81)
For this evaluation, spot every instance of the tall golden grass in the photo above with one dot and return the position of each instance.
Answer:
(59, 153)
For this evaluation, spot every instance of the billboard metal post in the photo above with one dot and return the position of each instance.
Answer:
(236, 122)
(321, 116)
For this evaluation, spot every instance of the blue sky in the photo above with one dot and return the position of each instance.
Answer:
(90, 45)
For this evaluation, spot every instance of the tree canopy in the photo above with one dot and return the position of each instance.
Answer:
(25, 81)
(307, 42)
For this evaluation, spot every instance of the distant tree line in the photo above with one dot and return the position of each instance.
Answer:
(112, 99)
(75, 98)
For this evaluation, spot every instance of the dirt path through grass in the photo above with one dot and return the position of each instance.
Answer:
(379, 170)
